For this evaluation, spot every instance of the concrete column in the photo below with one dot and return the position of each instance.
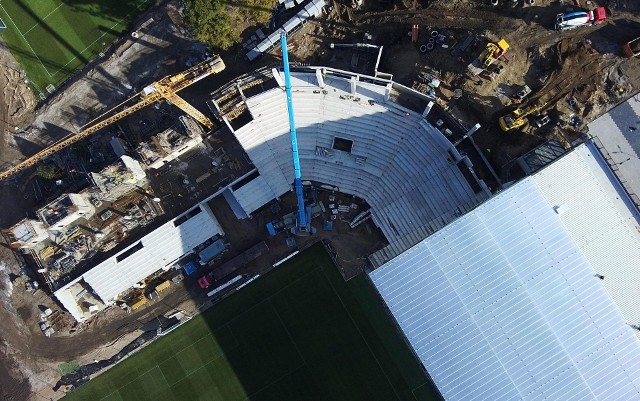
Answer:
(354, 85)
(468, 134)
(278, 78)
(427, 109)
(473, 130)
(241, 92)
(320, 78)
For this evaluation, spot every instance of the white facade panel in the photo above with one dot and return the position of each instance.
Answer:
(254, 194)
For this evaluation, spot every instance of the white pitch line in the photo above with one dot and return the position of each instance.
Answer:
(26, 41)
(42, 20)
(85, 49)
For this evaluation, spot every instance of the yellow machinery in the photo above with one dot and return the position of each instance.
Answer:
(518, 117)
(493, 52)
(166, 88)
(489, 55)
(138, 303)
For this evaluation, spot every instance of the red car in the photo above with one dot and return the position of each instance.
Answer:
(205, 281)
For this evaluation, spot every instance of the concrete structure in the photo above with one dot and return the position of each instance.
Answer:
(118, 179)
(166, 146)
(354, 137)
(27, 234)
(63, 211)
(155, 252)
(521, 298)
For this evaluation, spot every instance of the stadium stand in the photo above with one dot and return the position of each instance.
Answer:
(351, 135)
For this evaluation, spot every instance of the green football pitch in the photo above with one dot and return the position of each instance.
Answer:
(299, 333)
(51, 39)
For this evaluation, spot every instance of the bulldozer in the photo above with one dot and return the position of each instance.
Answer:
(518, 117)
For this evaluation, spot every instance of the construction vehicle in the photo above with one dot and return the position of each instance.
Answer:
(575, 19)
(166, 89)
(491, 53)
(303, 222)
(518, 117)
(632, 48)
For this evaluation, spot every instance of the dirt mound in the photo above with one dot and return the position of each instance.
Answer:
(17, 103)
(14, 385)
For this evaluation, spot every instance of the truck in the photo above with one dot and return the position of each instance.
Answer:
(575, 19)
(632, 48)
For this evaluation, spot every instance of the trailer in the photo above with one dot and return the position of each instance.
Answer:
(567, 21)
(632, 48)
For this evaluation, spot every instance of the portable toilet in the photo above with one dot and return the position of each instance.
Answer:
(190, 268)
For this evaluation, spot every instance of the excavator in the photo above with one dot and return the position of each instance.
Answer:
(166, 89)
(518, 117)
(491, 53)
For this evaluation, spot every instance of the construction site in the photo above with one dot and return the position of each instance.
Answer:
(163, 178)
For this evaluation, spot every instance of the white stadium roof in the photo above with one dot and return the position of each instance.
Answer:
(505, 302)
(157, 250)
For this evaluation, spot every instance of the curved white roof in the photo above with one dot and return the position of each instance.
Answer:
(505, 303)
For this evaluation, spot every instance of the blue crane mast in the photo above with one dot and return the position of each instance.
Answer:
(303, 225)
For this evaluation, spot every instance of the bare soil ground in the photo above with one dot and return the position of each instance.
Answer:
(585, 65)
(16, 104)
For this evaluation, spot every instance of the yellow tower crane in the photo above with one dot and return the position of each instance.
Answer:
(166, 89)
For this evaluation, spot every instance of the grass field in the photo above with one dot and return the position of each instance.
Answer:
(300, 333)
(51, 39)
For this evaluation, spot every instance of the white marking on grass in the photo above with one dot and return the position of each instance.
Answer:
(287, 330)
(360, 332)
(42, 19)
(413, 391)
(212, 334)
(26, 41)
(85, 49)
(163, 376)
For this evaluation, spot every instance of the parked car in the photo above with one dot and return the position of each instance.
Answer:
(206, 281)
(540, 122)
(520, 96)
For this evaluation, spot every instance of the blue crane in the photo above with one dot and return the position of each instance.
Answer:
(303, 225)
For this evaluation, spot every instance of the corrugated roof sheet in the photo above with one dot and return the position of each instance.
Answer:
(502, 305)
(160, 248)
(602, 221)
(254, 194)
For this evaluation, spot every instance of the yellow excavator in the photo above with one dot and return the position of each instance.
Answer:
(166, 89)
(518, 117)
(491, 53)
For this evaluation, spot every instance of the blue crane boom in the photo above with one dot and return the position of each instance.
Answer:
(302, 215)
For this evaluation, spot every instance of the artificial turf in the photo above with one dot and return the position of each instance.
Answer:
(51, 39)
(298, 333)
